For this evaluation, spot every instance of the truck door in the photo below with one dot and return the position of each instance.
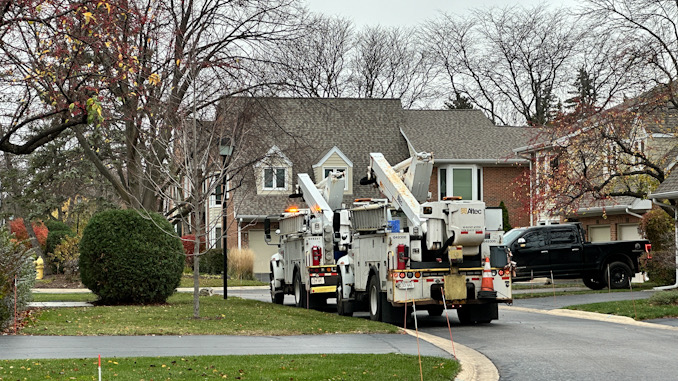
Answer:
(530, 254)
(565, 250)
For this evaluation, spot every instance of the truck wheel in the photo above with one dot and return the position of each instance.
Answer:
(620, 275)
(435, 310)
(276, 297)
(374, 294)
(594, 282)
(343, 307)
(299, 292)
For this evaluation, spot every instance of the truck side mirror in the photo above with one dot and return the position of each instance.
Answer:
(521, 242)
(267, 230)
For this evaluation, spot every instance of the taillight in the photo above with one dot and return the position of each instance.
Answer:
(316, 253)
(402, 257)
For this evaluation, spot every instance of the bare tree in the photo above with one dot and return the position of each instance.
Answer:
(314, 64)
(392, 63)
(511, 63)
(650, 31)
(163, 47)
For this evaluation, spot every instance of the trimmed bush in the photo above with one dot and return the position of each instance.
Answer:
(56, 225)
(212, 262)
(658, 227)
(55, 237)
(129, 258)
(15, 259)
(664, 298)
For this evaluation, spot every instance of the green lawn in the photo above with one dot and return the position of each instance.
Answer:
(217, 281)
(261, 367)
(641, 311)
(79, 297)
(542, 292)
(234, 316)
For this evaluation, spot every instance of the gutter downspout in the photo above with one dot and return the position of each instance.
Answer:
(239, 234)
(675, 218)
(630, 213)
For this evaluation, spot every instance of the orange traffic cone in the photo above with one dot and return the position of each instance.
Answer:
(487, 284)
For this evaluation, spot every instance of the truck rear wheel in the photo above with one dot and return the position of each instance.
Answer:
(374, 294)
(619, 275)
(299, 292)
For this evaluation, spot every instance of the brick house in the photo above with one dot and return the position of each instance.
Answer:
(645, 125)
(473, 158)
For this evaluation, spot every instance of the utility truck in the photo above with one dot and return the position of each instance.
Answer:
(308, 240)
(406, 252)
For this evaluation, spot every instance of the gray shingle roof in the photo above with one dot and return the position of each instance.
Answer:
(305, 129)
(670, 185)
(462, 135)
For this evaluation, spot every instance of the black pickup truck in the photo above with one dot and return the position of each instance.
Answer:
(562, 250)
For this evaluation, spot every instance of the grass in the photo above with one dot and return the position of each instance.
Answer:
(640, 310)
(79, 297)
(234, 316)
(218, 281)
(260, 367)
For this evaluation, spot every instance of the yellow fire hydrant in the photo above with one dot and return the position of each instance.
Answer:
(39, 268)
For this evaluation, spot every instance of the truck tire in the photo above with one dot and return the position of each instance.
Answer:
(594, 282)
(344, 307)
(299, 292)
(276, 297)
(435, 310)
(620, 275)
(478, 314)
(374, 298)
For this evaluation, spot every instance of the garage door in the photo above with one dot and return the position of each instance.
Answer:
(599, 233)
(628, 232)
(262, 252)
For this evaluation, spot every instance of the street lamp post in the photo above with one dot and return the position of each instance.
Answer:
(225, 150)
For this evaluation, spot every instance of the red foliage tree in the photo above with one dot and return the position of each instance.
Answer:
(18, 228)
(188, 241)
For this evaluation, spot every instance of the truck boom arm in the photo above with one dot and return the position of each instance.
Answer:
(405, 195)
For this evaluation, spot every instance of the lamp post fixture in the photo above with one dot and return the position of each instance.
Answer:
(225, 150)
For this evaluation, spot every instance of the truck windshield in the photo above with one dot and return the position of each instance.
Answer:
(511, 235)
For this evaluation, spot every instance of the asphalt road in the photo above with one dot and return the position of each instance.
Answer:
(528, 344)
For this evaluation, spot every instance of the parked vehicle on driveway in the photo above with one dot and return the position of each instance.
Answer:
(562, 251)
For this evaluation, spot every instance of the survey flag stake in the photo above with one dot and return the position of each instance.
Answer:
(99, 367)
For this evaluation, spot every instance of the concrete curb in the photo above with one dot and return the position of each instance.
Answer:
(474, 365)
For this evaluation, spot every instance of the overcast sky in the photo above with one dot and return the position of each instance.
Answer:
(411, 12)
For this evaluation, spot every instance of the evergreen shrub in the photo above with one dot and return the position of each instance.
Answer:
(15, 260)
(127, 258)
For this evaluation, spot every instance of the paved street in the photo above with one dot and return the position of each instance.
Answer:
(532, 341)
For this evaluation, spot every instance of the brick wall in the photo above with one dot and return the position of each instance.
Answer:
(504, 184)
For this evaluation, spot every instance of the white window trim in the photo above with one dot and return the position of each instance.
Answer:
(274, 188)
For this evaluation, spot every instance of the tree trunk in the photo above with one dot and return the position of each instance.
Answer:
(196, 276)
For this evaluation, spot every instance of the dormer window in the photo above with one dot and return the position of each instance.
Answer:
(274, 173)
(275, 178)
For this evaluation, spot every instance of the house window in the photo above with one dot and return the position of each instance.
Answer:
(217, 196)
(274, 178)
(460, 181)
(328, 170)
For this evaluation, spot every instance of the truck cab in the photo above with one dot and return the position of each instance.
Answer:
(561, 251)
